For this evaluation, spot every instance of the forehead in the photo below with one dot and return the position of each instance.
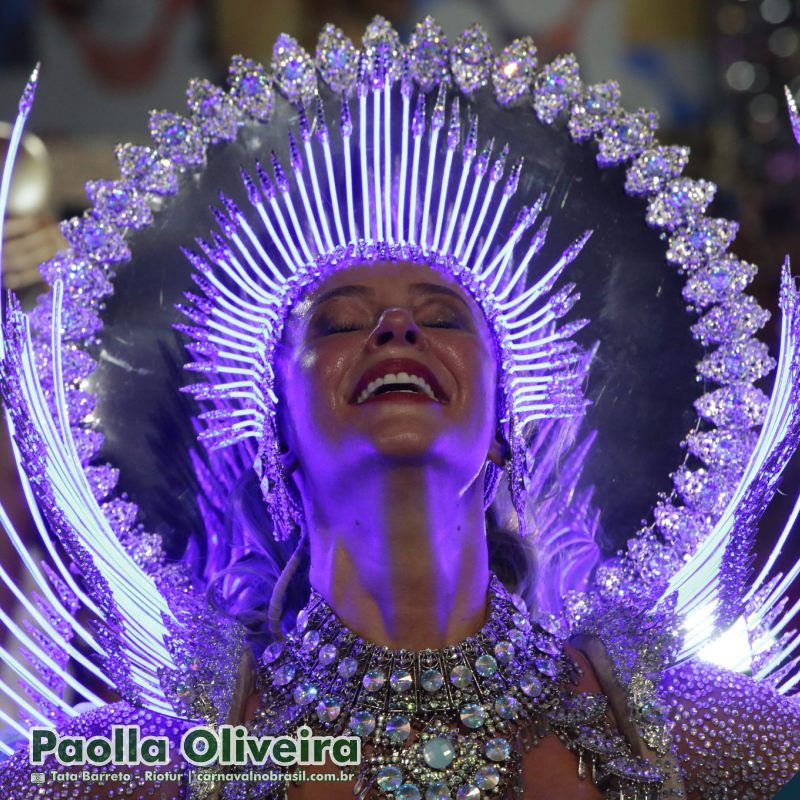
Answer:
(383, 279)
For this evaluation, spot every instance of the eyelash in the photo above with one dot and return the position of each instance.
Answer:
(330, 328)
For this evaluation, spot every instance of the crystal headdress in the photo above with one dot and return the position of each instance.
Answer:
(421, 183)
(400, 179)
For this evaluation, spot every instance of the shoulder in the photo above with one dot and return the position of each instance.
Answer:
(144, 782)
(731, 732)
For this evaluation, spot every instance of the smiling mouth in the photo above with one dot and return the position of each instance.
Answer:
(398, 385)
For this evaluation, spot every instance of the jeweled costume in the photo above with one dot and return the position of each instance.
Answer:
(449, 156)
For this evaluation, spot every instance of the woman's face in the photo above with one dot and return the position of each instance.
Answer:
(388, 362)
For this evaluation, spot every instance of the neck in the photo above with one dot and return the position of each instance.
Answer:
(401, 564)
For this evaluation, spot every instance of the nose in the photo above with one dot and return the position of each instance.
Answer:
(395, 325)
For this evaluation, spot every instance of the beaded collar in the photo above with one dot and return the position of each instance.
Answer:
(442, 724)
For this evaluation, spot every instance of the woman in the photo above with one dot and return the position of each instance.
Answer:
(389, 354)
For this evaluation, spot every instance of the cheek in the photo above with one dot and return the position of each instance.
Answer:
(314, 388)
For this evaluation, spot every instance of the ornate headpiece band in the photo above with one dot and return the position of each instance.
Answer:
(336, 207)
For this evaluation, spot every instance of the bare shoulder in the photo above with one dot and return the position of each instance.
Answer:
(735, 736)
(139, 781)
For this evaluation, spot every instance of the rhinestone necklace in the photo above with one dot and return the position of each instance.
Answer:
(443, 724)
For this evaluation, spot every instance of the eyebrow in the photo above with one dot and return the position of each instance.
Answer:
(357, 290)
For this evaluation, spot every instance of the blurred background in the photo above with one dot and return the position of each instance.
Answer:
(713, 69)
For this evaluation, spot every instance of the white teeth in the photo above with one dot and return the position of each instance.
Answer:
(396, 377)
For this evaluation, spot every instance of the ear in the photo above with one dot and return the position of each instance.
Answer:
(499, 451)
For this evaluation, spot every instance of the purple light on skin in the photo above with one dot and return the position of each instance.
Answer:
(362, 136)
(387, 154)
(403, 168)
(312, 169)
(25, 105)
(376, 163)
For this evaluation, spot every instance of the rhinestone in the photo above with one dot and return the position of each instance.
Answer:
(329, 708)
(460, 677)
(178, 139)
(437, 790)
(557, 87)
(473, 715)
(504, 652)
(401, 681)
(438, 752)
(293, 69)
(94, 237)
(347, 667)
(517, 638)
(487, 778)
(530, 684)
(327, 654)
(389, 778)
(146, 169)
(381, 37)
(470, 59)
(283, 675)
(468, 792)
(398, 729)
(273, 652)
(337, 59)
(250, 88)
(362, 723)
(302, 621)
(119, 202)
(546, 666)
(427, 51)
(213, 111)
(485, 666)
(374, 680)
(408, 791)
(521, 622)
(305, 694)
(431, 680)
(507, 707)
(310, 641)
(497, 749)
(513, 72)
